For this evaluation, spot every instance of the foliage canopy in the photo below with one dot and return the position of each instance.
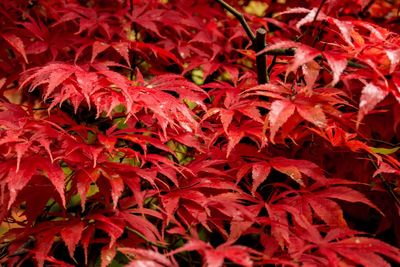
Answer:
(190, 132)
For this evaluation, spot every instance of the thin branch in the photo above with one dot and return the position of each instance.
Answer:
(258, 42)
(318, 11)
(239, 16)
(280, 52)
(130, 6)
(366, 7)
(261, 60)
(386, 185)
(312, 23)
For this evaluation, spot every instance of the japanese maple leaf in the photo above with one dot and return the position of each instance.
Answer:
(215, 256)
(146, 257)
(352, 248)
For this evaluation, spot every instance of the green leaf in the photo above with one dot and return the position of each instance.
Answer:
(198, 76)
(385, 151)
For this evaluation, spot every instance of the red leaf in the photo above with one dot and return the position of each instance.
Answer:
(114, 229)
(346, 194)
(71, 234)
(16, 43)
(385, 168)
(311, 16)
(290, 170)
(394, 57)
(311, 72)
(371, 95)
(170, 203)
(351, 248)
(122, 48)
(97, 48)
(280, 112)
(337, 63)
(313, 114)
(117, 187)
(345, 29)
(293, 168)
(85, 240)
(146, 258)
(20, 149)
(44, 242)
(83, 179)
(260, 173)
(303, 55)
(107, 255)
(226, 118)
(143, 226)
(56, 177)
(329, 211)
(234, 137)
(237, 254)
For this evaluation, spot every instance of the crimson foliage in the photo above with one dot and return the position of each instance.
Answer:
(136, 133)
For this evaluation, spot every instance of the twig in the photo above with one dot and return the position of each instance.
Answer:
(386, 185)
(239, 16)
(313, 22)
(318, 11)
(280, 52)
(258, 42)
(130, 6)
(261, 60)
(365, 9)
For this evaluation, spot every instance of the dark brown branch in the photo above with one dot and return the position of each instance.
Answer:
(366, 7)
(258, 42)
(261, 60)
(239, 16)
(280, 52)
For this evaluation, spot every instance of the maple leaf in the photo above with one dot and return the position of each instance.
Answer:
(71, 236)
(215, 256)
(16, 43)
(107, 255)
(280, 112)
(293, 168)
(260, 172)
(371, 248)
(144, 257)
(371, 95)
(337, 63)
